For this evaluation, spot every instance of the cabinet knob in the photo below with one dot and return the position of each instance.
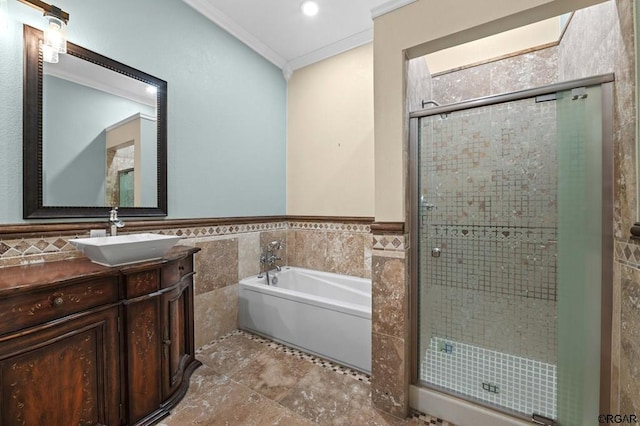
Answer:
(167, 342)
(58, 301)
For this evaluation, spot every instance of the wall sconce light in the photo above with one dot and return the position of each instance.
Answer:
(55, 35)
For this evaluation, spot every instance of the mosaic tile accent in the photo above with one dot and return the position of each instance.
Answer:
(627, 253)
(24, 251)
(490, 165)
(329, 226)
(494, 259)
(21, 251)
(390, 242)
(511, 382)
(429, 420)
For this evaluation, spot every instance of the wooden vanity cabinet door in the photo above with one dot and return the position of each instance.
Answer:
(143, 342)
(178, 348)
(65, 373)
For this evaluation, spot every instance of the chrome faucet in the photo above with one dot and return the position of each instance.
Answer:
(268, 259)
(114, 222)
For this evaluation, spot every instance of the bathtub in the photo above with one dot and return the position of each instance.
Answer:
(322, 313)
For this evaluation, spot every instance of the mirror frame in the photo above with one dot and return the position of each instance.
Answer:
(32, 181)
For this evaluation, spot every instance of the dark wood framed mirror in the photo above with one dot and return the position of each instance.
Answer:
(84, 120)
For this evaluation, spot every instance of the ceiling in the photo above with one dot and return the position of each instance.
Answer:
(279, 31)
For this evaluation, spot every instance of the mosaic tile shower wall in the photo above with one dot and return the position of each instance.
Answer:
(488, 202)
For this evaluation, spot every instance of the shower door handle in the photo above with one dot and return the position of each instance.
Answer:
(435, 252)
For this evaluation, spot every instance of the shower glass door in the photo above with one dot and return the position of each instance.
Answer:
(508, 280)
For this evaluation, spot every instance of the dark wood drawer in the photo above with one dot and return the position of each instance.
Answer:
(141, 283)
(173, 272)
(29, 309)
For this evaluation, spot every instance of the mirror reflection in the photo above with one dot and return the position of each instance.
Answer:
(95, 136)
(99, 136)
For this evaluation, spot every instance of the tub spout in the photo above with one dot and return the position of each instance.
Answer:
(268, 259)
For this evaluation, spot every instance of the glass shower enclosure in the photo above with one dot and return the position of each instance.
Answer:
(512, 228)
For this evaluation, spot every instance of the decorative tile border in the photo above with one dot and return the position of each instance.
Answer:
(390, 242)
(215, 231)
(28, 250)
(429, 420)
(329, 226)
(627, 253)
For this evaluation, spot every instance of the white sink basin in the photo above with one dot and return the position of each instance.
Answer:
(125, 249)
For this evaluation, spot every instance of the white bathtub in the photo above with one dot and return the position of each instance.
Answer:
(317, 312)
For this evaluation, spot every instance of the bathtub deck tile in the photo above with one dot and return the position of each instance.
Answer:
(249, 380)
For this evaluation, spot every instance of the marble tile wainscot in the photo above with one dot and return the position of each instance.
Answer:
(390, 323)
(230, 251)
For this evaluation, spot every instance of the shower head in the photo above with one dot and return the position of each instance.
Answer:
(432, 102)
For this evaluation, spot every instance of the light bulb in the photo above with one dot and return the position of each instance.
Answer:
(55, 35)
(49, 54)
(309, 8)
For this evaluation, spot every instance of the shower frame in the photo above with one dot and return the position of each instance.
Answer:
(606, 83)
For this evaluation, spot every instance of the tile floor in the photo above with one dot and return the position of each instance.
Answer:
(248, 380)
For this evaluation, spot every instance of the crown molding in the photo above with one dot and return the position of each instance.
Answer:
(233, 28)
(219, 18)
(389, 6)
(333, 49)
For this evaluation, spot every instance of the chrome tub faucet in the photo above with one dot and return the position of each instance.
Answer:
(268, 259)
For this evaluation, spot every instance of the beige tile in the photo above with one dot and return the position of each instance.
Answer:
(389, 375)
(323, 396)
(345, 253)
(215, 314)
(213, 399)
(309, 249)
(272, 373)
(368, 248)
(615, 339)
(216, 264)
(248, 255)
(243, 379)
(389, 305)
(230, 355)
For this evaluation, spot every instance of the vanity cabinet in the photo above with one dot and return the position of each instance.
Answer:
(83, 344)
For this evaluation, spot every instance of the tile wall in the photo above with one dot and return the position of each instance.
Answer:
(229, 253)
(489, 203)
(391, 358)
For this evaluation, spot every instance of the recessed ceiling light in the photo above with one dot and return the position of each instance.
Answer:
(309, 8)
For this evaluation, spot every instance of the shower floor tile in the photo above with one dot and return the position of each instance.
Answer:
(248, 380)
